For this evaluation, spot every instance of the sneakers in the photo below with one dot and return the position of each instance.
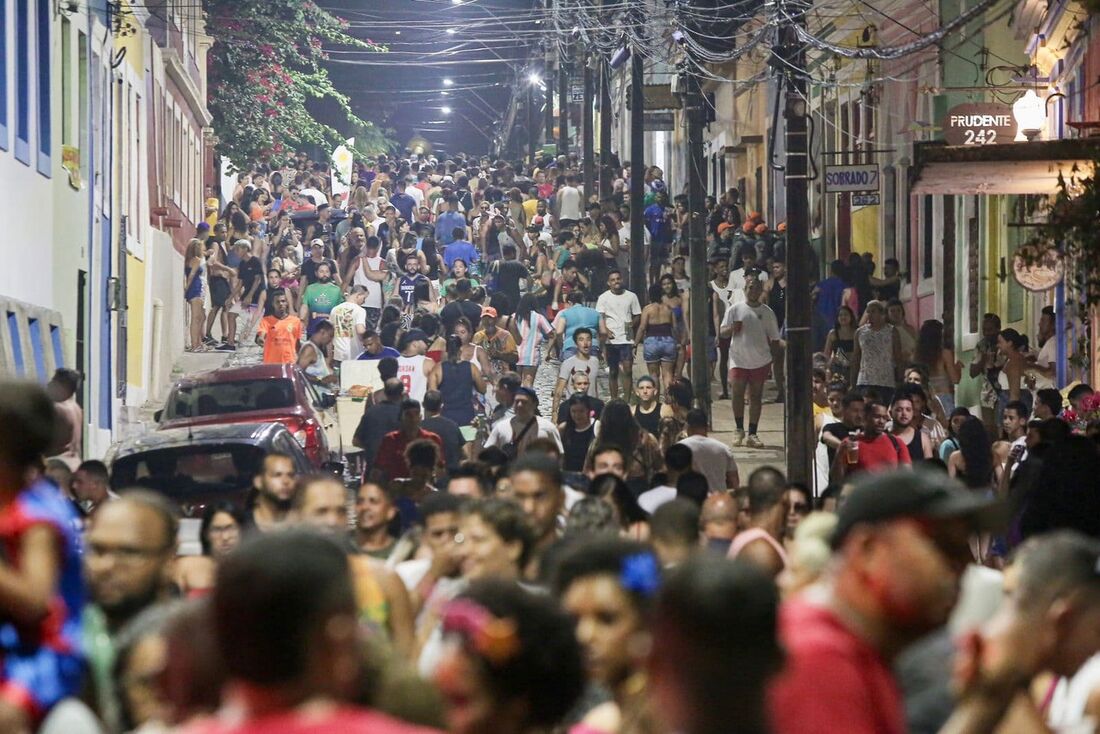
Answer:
(225, 347)
(754, 442)
(210, 341)
(738, 438)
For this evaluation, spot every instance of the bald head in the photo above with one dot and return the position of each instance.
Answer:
(718, 520)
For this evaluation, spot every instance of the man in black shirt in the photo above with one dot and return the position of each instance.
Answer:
(460, 307)
(378, 420)
(315, 260)
(250, 289)
(509, 272)
(851, 419)
(445, 428)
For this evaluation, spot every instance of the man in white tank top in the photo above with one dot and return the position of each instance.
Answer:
(371, 273)
(569, 202)
(413, 367)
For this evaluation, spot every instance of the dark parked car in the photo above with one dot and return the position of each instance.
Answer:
(255, 394)
(198, 465)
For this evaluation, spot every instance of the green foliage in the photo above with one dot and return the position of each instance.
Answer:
(265, 68)
(1072, 227)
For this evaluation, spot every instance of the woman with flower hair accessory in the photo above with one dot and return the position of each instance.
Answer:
(511, 663)
(608, 586)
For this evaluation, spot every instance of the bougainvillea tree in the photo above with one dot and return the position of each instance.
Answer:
(265, 66)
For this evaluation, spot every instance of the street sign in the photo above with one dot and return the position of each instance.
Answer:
(658, 120)
(860, 177)
(576, 91)
(979, 123)
(865, 199)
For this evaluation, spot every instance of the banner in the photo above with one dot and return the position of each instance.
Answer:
(341, 169)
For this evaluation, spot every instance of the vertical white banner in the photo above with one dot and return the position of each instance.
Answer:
(341, 168)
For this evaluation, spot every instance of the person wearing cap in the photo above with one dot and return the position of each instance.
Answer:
(498, 343)
(901, 545)
(513, 435)
(316, 258)
(874, 448)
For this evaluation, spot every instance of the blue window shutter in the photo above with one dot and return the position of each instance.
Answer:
(16, 344)
(22, 81)
(45, 132)
(55, 340)
(4, 25)
(39, 350)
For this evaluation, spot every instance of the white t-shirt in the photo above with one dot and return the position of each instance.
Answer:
(618, 312)
(654, 498)
(416, 194)
(501, 434)
(589, 367)
(345, 317)
(1047, 356)
(570, 198)
(737, 285)
(711, 458)
(751, 349)
(374, 288)
(410, 370)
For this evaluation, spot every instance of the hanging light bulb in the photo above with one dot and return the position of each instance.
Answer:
(1030, 112)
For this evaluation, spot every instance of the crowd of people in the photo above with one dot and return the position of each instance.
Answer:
(581, 555)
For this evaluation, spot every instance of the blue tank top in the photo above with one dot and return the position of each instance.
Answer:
(457, 388)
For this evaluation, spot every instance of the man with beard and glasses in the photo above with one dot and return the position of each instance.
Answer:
(129, 548)
(272, 492)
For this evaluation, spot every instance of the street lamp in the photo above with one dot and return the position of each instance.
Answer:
(445, 110)
(533, 78)
(451, 31)
(1031, 115)
(448, 82)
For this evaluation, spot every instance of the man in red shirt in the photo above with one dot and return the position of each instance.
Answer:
(390, 461)
(900, 547)
(287, 626)
(873, 449)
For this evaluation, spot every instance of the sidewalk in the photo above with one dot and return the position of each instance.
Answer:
(770, 430)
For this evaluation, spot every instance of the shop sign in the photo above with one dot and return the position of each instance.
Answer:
(862, 177)
(979, 123)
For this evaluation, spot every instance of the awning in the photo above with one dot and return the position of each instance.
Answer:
(1008, 168)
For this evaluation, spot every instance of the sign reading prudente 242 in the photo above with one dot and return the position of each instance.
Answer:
(859, 177)
(979, 123)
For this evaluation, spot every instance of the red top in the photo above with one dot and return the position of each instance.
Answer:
(391, 452)
(833, 680)
(880, 453)
(344, 720)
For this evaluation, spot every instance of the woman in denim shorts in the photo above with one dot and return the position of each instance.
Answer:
(656, 334)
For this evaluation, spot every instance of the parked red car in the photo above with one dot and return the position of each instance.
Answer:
(256, 394)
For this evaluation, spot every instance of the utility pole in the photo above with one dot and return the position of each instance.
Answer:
(563, 103)
(799, 305)
(606, 176)
(637, 178)
(531, 136)
(697, 244)
(586, 129)
(548, 113)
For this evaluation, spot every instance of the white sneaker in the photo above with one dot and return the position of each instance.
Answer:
(754, 442)
(738, 438)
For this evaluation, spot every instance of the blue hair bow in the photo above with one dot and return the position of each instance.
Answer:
(641, 574)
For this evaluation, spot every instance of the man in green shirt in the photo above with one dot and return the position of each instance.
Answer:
(320, 298)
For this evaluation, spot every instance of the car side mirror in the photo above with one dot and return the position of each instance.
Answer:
(157, 415)
(328, 400)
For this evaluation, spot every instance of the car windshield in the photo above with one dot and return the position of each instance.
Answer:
(239, 396)
(191, 474)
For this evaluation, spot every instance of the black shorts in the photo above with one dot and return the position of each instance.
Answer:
(219, 292)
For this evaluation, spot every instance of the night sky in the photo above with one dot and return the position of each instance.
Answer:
(404, 88)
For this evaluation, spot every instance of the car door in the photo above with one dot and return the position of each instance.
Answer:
(328, 420)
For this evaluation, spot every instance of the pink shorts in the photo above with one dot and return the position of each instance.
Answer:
(754, 376)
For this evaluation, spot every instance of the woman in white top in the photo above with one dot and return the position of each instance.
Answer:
(877, 353)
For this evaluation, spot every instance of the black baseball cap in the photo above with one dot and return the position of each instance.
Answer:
(919, 493)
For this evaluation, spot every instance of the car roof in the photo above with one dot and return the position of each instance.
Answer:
(256, 434)
(234, 374)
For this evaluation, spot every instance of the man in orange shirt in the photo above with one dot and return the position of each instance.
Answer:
(279, 333)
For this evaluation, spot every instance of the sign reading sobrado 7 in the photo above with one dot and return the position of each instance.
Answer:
(851, 178)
